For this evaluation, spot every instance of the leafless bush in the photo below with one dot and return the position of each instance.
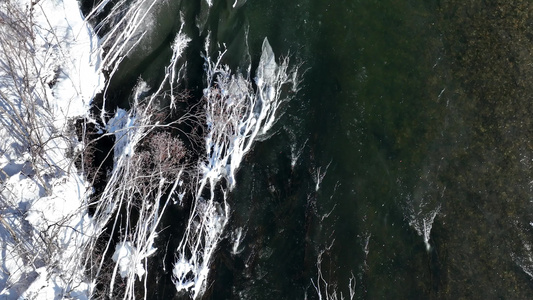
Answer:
(164, 155)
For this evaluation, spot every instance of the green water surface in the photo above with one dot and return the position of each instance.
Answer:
(415, 106)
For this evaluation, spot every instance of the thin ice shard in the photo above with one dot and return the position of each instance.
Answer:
(421, 219)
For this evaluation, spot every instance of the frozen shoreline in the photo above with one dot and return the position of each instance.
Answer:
(57, 249)
(44, 225)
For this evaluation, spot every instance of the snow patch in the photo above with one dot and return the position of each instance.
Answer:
(127, 258)
(119, 125)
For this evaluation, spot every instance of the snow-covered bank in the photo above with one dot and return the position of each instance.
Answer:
(49, 73)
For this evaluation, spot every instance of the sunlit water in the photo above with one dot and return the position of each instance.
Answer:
(403, 162)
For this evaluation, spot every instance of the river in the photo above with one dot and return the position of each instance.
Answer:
(404, 162)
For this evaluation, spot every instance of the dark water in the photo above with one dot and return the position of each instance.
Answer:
(406, 108)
